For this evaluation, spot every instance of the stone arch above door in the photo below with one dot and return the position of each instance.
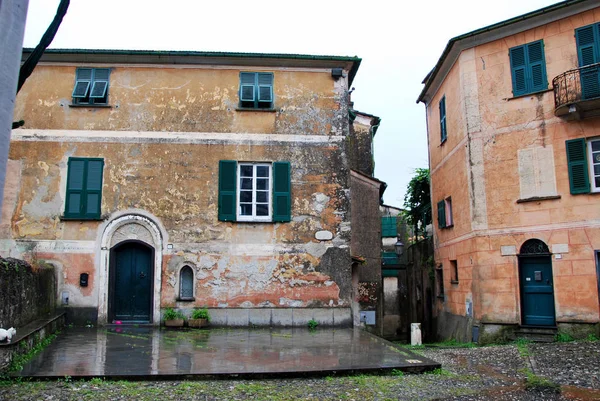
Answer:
(132, 231)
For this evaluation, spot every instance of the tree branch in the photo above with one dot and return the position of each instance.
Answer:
(36, 55)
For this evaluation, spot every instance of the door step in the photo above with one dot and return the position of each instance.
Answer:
(536, 334)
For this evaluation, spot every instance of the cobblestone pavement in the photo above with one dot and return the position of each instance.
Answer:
(559, 371)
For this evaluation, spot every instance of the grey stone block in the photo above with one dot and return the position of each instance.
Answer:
(218, 317)
(259, 317)
(323, 316)
(237, 317)
(301, 317)
(342, 317)
(281, 317)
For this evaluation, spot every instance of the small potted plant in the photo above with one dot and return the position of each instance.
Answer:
(173, 318)
(200, 318)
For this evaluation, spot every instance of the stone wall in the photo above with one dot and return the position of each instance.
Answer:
(26, 292)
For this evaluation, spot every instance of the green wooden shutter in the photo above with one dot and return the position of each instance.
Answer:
(579, 181)
(84, 188)
(388, 226)
(100, 83)
(265, 87)
(75, 187)
(588, 52)
(247, 86)
(83, 79)
(227, 190)
(93, 190)
(518, 66)
(441, 208)
(536, 67)
(282, 192)
(443, 133)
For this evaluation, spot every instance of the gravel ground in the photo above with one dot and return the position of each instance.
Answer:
(559, 371)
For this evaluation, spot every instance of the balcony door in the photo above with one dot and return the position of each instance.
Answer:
(588, 53)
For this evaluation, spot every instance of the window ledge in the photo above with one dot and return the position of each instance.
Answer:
(508, 99)
(453, 281)
(253, 109)
(93, 106)
(63, 218)
(186, 299)
(538, 198)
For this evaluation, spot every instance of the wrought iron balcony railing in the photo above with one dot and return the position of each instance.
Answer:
(577, 91)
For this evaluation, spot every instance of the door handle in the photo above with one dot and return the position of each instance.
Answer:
(142, 275)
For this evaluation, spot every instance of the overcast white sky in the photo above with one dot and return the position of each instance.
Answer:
(399, 42)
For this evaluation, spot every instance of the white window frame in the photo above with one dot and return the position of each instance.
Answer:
(254, 217)
(593, 187)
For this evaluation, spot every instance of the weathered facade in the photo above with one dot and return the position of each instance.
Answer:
(185, 179)
(513, 149)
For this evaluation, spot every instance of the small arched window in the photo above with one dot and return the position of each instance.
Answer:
(186, 283)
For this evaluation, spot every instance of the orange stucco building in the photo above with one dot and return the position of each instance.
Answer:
(514, 148)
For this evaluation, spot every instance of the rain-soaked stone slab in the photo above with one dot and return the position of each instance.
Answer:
(159, 353)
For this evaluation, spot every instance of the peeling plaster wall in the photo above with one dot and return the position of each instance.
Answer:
(161, 141)
(502, 149)
(182, 99)
(360, 145)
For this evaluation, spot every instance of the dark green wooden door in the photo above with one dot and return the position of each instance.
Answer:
(133, 283)
(537, 291)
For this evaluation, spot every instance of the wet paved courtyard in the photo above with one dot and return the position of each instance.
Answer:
(159, 353)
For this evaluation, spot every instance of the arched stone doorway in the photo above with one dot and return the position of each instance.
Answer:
(536, 284)
(133, 242)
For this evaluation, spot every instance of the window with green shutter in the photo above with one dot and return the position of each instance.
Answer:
(588, 53)
(443, 131)
(84, 188)
(91, 86)
(282, 192)
(441, 209)
(388, 226)
(577, 162)
(528, 68)
(256, 90)
(254, 192)
(445, 218)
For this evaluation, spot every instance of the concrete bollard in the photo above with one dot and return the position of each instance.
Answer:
(415, 334)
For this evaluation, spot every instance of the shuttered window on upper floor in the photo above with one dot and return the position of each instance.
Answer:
(583, 161)
(91, 86)
(84, 188)
(588, 55)
(443, 131)
(254, 191)
(528, 68)
(256, 90)
(388, 226)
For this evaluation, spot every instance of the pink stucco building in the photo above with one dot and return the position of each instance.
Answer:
(514, 148)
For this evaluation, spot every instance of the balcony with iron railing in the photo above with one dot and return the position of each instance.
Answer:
(577, 93)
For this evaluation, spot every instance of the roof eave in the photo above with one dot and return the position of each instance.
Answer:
(351, 64)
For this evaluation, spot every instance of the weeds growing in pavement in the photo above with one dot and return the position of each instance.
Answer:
(563, 338)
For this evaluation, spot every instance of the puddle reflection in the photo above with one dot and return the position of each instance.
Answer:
(128, 350)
